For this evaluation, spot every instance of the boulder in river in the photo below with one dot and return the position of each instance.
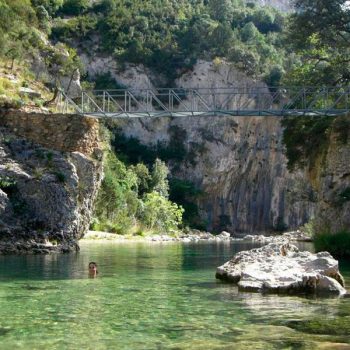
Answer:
(282, 268)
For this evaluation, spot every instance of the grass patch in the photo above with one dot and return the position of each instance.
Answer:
(60, 176)
(7, 185)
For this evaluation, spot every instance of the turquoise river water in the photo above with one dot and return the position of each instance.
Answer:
(155, 296)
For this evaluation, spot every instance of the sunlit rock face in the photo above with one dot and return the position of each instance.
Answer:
(240, 166)
(226, 78)
(283, 269)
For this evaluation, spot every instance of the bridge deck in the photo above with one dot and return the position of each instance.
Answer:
(238, 101)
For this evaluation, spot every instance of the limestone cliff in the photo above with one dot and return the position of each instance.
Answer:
(50, 172)
(204, 74)
(331, 180)
(240, 165)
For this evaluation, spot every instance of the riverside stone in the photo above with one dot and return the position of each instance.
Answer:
(282, 268)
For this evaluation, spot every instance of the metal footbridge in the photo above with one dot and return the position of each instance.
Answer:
(236, 101)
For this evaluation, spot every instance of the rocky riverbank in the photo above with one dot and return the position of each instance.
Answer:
(199, 236)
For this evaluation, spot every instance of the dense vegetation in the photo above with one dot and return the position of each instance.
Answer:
(135, 198)
(132, 153)
(308, 47)
(169, 36)
(319, 32)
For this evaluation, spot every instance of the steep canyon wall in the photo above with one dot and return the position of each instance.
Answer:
(239, 164)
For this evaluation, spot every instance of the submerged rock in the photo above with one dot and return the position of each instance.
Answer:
(282, 268)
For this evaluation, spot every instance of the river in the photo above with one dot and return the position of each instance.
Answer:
(155, 296)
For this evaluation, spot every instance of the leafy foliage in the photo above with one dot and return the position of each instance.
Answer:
(159, 213)
(320, 32)
(132, 196)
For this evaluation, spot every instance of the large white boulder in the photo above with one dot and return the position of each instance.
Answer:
(282, 268)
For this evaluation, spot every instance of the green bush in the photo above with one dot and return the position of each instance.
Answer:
(60, 177)
(338, 244)
(75, 7)
(135, 197)
(159, 213)
(7, 184)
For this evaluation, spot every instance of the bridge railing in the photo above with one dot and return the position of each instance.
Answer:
(251, 100)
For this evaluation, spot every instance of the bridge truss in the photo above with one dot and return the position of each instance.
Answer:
(239, 101)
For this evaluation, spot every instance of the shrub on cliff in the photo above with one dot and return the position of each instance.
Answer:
(337, 244)
(305, 138)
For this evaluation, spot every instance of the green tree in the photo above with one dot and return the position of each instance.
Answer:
(320, 32)
(274, 76)
(221, 10)
(117, 202)
(249, 32)
(160, 213)
(144, 179)
(221, 39)
(51, 6)
(43, 18)
(159, 176)
(75, 7)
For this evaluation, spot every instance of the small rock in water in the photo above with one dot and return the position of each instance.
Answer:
(282, 268)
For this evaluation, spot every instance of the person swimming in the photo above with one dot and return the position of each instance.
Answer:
(92, 269)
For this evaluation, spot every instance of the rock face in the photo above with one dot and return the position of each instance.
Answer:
(204, 74)
(282, 5)
(46, 194)
(238, 163)
(62, 132)
(331, 180)
(70, 83)
(283, 269)
(131, 75)
(207, 75)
